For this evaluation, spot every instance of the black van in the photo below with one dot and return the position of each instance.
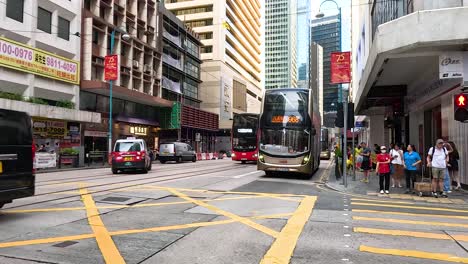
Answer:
(17, 151)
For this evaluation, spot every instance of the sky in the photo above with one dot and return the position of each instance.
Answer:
(329, 9)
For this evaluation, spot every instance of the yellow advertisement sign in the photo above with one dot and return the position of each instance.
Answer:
(24, 58)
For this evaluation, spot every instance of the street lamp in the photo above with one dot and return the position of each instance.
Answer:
(320, 14)
(125, 36)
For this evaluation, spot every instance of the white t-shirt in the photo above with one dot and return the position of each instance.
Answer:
(397, 160)
(439, 158)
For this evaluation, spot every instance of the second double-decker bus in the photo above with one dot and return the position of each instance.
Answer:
(289, 132)
(245, 137)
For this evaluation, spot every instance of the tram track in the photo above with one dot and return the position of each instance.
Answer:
(99, 177)
(147, 180)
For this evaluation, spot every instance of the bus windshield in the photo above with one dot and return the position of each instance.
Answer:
(244, 132)
(285, 123)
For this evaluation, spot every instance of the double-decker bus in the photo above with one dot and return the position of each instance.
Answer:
(289, 132)
(245, 137)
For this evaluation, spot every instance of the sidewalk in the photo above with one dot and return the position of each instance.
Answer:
(371, 189)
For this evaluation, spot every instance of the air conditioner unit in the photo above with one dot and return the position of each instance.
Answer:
(98, 60)
(136, 64)
(126, 70)
(147, 68)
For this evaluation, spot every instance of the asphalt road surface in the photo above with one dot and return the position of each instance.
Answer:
(213, 212)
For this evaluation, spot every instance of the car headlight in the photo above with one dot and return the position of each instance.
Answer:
(233, 155)
(255, 155)
(261, 158)
(305, 160)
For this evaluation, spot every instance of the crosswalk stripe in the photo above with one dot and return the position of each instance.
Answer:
(380, 201)
(414, 254)
(412, 222)
(411, 207)
(410, 214)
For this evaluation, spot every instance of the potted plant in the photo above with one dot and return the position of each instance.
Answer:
(69, 156)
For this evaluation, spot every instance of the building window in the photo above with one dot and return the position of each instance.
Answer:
(63, 28)
(207, 35)
(194, 10)
(44, 20)
(14, 9)
(207, 49)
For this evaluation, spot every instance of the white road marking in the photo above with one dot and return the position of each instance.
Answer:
(246, 174)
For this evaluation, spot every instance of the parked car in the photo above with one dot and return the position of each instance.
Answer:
(131, 154)
(17, 151)
(176, 151)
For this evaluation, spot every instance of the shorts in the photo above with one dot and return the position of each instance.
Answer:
(438, 173)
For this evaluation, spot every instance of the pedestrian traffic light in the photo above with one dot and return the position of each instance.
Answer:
(461, 107)
(339, 121)
(350, 120)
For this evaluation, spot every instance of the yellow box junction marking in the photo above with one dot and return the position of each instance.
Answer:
(410, 214)
(135, 231)
(282, 249)
(411, 222)
(411, 207)
(213, 208)
(414, 254)
(104, 240)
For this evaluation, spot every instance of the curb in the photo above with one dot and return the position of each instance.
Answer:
(333, 188)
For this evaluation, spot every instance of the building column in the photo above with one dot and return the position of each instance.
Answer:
(376, 126)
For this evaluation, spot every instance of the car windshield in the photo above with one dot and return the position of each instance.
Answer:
(127, 146)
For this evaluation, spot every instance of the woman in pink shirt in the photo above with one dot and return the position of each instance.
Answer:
(383, 168)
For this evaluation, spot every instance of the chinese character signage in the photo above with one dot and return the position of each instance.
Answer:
(111, 67)
(17, 56)
(226, 98)
(340, 67)
(137, 130)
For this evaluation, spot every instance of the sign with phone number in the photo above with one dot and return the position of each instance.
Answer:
(24, 58)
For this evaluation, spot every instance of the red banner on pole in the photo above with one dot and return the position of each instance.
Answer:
(111, 67)
(340, 67)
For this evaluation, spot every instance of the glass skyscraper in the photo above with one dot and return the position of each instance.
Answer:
(327, 33)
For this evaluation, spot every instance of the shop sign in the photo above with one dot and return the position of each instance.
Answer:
(90, 133)
(226, 98)
(17, 56)
(451, 65)
(138, 130)
(49, 128)
(45, 160)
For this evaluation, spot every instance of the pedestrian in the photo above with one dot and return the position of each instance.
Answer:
(447, 178)
(437, 159)
(338, 156)
(411, 159)
(453, 164)
(366, 165)
(383, 169)
(396, 169)
(357, 154)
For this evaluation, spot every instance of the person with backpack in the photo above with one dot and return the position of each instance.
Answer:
(437, 159)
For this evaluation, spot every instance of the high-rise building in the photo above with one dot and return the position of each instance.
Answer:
(303, 41)
(327, 33)
(280, 43)
(230, 32)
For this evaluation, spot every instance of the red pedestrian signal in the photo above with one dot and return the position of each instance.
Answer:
(461, 100)
(461, 107)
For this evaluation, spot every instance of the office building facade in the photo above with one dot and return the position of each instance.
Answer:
(327, 33)
(280, 44)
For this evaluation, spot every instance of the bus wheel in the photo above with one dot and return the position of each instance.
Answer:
(269, 173)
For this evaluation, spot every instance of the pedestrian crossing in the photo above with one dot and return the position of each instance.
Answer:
(412, 230)
(450, 200)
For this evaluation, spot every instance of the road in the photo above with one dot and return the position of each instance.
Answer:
(221, 212)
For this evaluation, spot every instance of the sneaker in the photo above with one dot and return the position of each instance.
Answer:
(366, 180)
(387, 192)
(449, 191)
(381, 192)
(444, 194)
(399, 186)
(393, 186)
(435, 195)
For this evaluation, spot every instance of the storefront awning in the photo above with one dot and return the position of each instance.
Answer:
(124, 93)
(138, 121)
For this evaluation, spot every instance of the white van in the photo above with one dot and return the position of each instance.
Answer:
(176, 151)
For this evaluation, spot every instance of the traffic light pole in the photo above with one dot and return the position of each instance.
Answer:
(345, 139)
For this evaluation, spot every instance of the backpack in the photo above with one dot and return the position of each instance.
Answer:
(433, 150)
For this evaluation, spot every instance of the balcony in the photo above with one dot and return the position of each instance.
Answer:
(174, 39)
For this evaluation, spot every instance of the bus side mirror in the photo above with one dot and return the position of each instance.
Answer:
(313, 131)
